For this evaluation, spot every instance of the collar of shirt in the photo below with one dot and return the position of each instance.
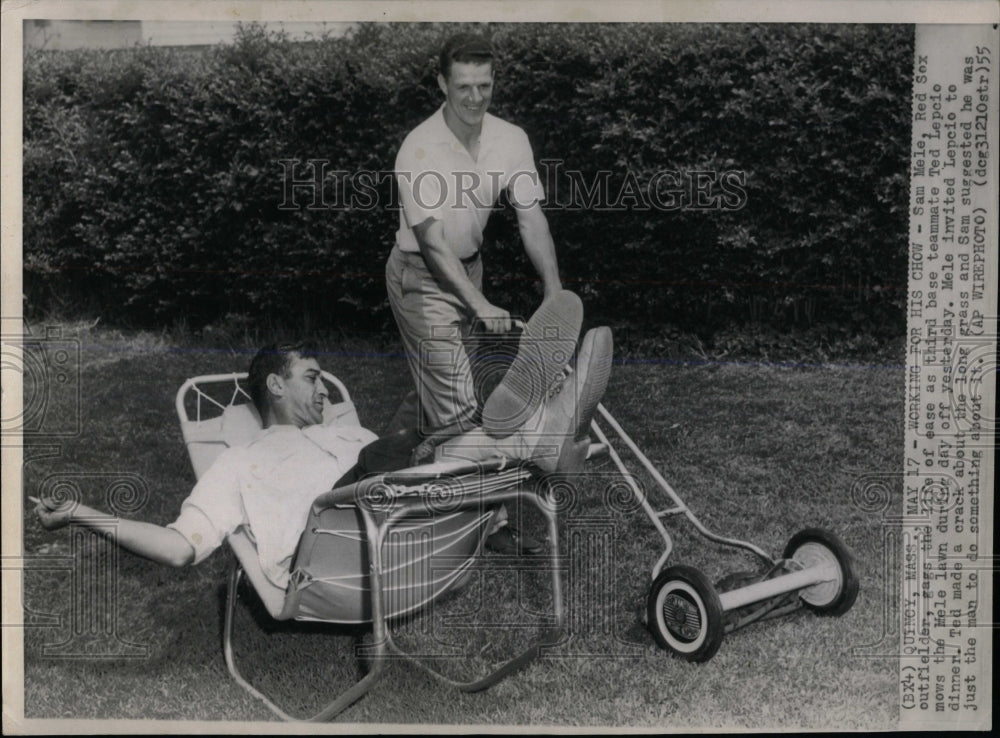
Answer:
(325, 452)
(324, 436)
(274, 430)
(444, 135)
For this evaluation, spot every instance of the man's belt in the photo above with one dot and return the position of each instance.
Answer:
(466, 260)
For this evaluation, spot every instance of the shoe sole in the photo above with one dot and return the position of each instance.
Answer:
(591, 380)
(600, 357)
(546, 346)
(597, 350)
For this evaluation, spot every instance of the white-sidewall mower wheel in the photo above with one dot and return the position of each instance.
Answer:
(816, 547)
(684, 613)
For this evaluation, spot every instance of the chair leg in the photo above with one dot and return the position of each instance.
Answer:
(549, 637)
(342, 702)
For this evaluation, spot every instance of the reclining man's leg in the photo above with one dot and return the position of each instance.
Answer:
(388, 453)
(547, 343)
(556, 436)
(532, 415)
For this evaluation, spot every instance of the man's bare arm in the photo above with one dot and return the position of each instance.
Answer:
(539, 247)
(162, 545)
(446, 266)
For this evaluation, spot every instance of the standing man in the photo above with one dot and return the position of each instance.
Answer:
(450, 171)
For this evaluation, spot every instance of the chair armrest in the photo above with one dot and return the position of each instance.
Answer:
(341, 496)
(366, 489)
(447, 468)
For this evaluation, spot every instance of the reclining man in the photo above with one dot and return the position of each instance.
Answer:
(269, 484)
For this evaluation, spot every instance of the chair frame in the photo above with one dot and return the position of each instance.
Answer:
(405, 487)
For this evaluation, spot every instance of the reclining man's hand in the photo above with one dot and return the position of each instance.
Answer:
(53, 518)
(424, 453)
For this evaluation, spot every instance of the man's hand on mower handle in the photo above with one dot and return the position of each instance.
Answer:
(492, 318)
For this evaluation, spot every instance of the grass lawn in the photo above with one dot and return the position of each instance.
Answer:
(758, 451)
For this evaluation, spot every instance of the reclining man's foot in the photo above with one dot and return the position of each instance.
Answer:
(562, 439)
(557, 435)
(546, 346)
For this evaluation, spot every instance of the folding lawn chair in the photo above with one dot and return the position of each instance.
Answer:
(376, 550)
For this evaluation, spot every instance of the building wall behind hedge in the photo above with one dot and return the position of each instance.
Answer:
(154, 178)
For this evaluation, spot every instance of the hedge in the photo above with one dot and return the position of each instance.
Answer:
(154, 178)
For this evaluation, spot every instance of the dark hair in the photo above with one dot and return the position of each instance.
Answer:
(273, 359)
(464, 47)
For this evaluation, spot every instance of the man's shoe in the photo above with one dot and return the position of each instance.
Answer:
(563, 436)
(596, 354)
(545, 347)
(510, 541)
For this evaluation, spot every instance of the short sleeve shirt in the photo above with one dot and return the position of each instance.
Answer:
(268, 486)
(438, 178)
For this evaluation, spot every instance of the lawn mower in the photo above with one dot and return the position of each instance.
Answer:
(687, 614)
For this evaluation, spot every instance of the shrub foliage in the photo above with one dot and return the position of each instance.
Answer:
(157, 181)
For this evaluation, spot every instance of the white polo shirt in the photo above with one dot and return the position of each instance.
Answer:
(268, 485)
(438, 178)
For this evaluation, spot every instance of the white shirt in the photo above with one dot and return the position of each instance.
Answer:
(438, 178)
(268, 485)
